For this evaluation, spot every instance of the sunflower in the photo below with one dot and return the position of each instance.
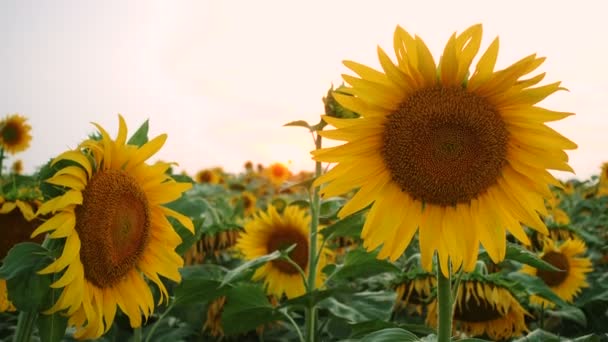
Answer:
(208, 176)
(248, 202)
(415, 291)
(602, 189)
(213, 323)
(269, 231)
(212, 243)
(485, 308)
(115, 229)
(277, 173)
(568, 282)
(14, 134)
(17, 167)
(17, 222)
(460, 159)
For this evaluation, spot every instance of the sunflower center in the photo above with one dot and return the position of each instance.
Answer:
(10, 133)
(113, 224)
(283, 238)
(445, 145)
(474, 311)
(553, 278)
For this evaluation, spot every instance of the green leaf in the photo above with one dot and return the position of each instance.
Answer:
(246, 308)
(20, 259)
(298, 123)
(535, 285)
(359, 263)
(348, 226)
(199, 284)
(571, 313)
(362, 306)
(311, 298)
(390, 335)
(140, 137)
(520, 254)
(539, 335)
(51, 328)
(248, 266)
(361, 329)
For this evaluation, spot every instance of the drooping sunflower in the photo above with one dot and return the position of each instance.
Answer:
(566, 256)
(212, 243)
(485, 308)
(461, 159)
(15, 134)
(415, 291)
(115, 229)
(268, 231)
(208, 176)
(17, 222)
(17, 167)
(213, 322)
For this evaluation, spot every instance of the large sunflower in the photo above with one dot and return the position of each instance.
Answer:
(460, 158)
(485, 308)
(14, 134)
(567, 257)
(17, 222)
(115, 229)
(269, 231)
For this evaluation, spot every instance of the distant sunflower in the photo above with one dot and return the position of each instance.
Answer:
(17, 222)
(603, 182)
(115, 229)
(17, 167)
(208, 176)
(277, 173)
(211, 243)
(567, 257)
(485, 308)
(14, 134)
(458, 158)
(269, 231)
(248, 201)
(415, 291)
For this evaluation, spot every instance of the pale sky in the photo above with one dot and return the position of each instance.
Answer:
(221, 78)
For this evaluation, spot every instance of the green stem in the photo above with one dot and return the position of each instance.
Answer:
(311, 311)
(25, 325)
(444, 304)
(300, 270)
(1, 159)
(137, 335)
(295, 325)
(157, 323)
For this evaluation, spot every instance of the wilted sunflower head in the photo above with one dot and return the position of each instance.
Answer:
(460, 156)
(484, 308)
(14, 134)
(17, 222)
(269, 231)
(115, 230)
(415, 291)
(568, 257)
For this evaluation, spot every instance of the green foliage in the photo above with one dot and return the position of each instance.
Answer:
(140, 137)
(247, 307)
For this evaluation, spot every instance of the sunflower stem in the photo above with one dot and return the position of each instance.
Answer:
(1, 159)
(158, 322)
(444, 304)
(25, 325)
(137, 335)
(311, 311)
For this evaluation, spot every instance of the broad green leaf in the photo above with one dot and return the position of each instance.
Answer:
(520, 254)
(364, 328)
(390, 335)
(20, 259)
(312, 297)
(359, 263)
(246, 308)
(535, 285)
(140, 137)
(200, 284)
(539, 335)
(348, 226)
(248, 266)
(361, 307)
(571, 313)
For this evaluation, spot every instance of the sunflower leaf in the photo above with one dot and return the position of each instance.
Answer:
(140, 136)
(522, 255)
(298, 123)
(51, 328)
(348, 226)
(248, 266)
(390, 335)
(247, 307)
(535, 286)
(199, 284)
(359, 263)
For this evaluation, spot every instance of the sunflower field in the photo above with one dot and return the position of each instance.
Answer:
(433, 218)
